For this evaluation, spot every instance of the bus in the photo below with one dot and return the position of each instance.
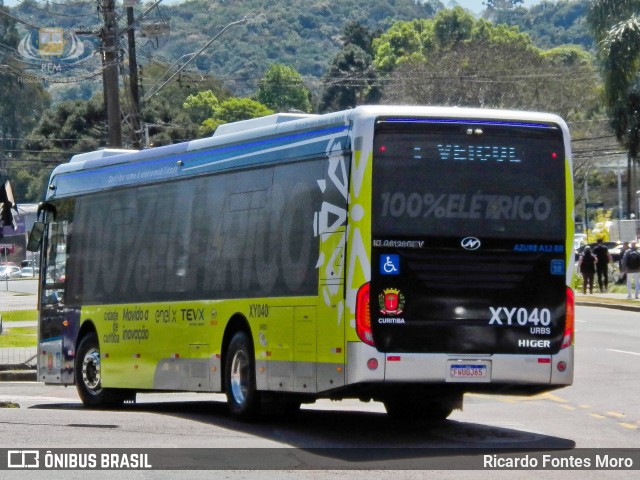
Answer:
(406, 255)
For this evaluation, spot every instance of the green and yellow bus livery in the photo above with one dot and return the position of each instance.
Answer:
(402, 254)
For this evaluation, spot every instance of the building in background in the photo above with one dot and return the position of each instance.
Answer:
(15, 241)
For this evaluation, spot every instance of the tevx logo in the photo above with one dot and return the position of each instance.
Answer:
(470, 243)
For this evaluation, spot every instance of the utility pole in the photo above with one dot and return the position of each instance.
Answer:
(110, 64)
(133, 79)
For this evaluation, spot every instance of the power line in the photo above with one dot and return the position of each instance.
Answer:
(16, 19)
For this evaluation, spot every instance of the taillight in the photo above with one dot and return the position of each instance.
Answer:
(363, 315)
(569, 326)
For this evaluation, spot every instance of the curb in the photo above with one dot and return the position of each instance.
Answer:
(614, 306)
(18, 373)
(18, 376)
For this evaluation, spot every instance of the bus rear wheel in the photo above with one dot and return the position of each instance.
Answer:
(243, 398)
(88, 375)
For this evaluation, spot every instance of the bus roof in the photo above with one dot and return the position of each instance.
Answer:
(254, 123)
(242, 144)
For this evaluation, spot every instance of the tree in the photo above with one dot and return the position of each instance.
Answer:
(164, 116)
(468, 62)
(405, 40)
(22, 102)
(616, 25)
(550, 24)
(201, 105)
(418, 40)
(494, 6)
(352, 78)
(30, 184)
(358, 35)
(72, 126)
(477, 74)
(453, 26)
(283, 90)
(234, 110)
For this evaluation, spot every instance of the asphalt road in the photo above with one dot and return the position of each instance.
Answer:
(24, 285)
(601, 410)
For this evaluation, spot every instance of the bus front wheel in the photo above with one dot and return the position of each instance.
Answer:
(88, 375)
(243, 398)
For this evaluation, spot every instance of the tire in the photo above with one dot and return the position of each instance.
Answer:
(425, 412)
(88, 376)
(243, 399)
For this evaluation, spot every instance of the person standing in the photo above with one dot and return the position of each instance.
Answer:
(587, 267)
(623, 276)
(631, 266)
(602, 267)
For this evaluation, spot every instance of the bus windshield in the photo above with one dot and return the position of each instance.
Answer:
(483, 179)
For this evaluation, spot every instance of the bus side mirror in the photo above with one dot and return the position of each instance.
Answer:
(35, 237)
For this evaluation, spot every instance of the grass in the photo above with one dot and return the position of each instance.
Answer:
(19, 337)
(19, 315)
(615, 288)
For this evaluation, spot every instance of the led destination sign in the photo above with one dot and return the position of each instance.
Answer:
(481, 153)
(483, 179)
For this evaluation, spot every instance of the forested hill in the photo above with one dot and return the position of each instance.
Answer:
(551, 23)
(304, 34)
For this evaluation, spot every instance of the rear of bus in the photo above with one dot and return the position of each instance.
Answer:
(470, 261)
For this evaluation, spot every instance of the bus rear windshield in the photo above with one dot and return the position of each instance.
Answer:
(490, 179)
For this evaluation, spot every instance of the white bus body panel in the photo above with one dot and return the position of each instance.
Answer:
(432, 368)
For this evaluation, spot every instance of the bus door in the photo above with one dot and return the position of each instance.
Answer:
(53, 365)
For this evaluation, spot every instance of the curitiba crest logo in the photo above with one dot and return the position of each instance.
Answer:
(391, 301)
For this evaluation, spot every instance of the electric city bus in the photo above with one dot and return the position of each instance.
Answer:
(406, 255)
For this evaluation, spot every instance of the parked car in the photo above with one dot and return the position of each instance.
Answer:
(10, 271)
(613, 247)
(28, 272)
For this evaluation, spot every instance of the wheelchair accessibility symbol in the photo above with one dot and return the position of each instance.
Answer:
(389, 264)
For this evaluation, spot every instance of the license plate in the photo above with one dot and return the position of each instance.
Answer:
(468, 372)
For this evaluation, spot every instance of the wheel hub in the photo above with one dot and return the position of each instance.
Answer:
(91, 370)
(240, 377)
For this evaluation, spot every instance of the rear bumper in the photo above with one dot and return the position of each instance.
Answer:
(525, 370)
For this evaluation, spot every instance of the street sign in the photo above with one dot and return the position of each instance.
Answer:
(594, 205)
(7, 248)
